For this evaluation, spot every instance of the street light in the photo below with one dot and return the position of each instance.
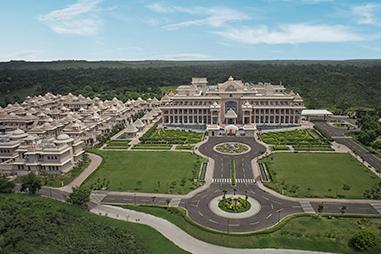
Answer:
(135, 197)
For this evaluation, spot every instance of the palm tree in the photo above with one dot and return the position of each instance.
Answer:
(224, 191)
(224, 198)
(234, 190)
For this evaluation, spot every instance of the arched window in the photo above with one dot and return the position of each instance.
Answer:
(230, 105)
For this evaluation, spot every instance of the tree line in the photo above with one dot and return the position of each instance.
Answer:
(320, 85)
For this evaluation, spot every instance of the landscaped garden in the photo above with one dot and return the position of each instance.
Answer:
(118, 144)
(232, 148)
(149, 172)
(319, 175)
(302, 232)
(234, 205)
(304, 139)
(164, 136)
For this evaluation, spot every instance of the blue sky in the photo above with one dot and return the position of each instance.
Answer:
(189, 30)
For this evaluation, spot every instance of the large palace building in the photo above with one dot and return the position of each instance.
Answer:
(232, 103)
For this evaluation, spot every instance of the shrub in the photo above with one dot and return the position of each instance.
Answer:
(363, 239)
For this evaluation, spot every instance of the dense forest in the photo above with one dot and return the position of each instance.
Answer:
(321, 84)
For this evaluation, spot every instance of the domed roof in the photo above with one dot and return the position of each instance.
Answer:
(63, 137)
(18, 132)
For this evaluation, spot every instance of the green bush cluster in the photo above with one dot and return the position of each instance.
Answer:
(162, 136)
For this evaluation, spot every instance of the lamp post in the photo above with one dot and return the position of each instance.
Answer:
(135, 198)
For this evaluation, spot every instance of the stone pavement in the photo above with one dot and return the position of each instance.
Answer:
(178, 236)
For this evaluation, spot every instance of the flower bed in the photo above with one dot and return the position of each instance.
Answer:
(232, 148)
(240, 207)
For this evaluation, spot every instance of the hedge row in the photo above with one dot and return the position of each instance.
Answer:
(323, 133)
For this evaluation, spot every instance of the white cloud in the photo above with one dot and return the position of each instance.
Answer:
(80, 18)
(216, 16)
(22, 55)
(290, 34)
(181, 56)
(368, 14)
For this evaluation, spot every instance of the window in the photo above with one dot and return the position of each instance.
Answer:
(55, 157)
(257, 103)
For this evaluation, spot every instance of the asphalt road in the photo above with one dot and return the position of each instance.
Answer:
(338, 135)
(273, 207)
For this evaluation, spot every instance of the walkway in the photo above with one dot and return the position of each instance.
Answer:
(178, 236)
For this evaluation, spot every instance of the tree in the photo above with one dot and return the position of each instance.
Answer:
(7, 100)
(343, 105)
(30, 183)
(168, 201)
(224, 191)
(320, 208)
(363, 239)
(234, 189)
(342, 210)
(6, 186)
(79, 197)
(139, 183)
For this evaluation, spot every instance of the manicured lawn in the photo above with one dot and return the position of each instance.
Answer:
(153, 147)
(149, 172)
(323, 173)
(302, 233)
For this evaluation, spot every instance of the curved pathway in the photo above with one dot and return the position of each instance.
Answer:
(178, 236)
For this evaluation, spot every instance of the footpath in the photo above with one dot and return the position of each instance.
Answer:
(178, 236)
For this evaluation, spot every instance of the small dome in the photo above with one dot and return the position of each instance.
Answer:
(18, 132)
(63, 137)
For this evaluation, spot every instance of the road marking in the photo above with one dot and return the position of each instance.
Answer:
(376, 206)
(307, 208)
(200, 214)
(276, 202)
(252, 191)
(145, 200)
(277, 211)
(272, 207)
(265, 197)
(195, 205)
(253, 223)
(212, 221)
(217, 190)
(128, 199)
(268, 216)
(110, 198)
(204, 196)
(296, 206)
(234, 225)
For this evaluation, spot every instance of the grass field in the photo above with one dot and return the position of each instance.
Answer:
(149, 172)
(319, 174)
(303, 233)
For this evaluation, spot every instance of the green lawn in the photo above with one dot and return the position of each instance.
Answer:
(157, 171)
(304, 232)
(323, 173)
